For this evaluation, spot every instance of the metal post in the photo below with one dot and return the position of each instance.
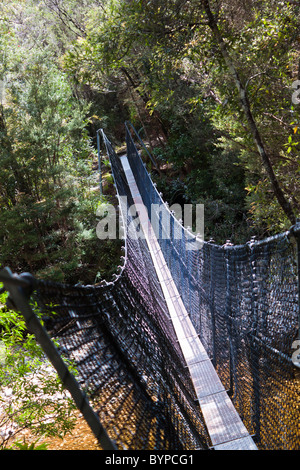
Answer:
(99, 161)
(19, 288)
(212, 304)
(228, 318)
(254, 345)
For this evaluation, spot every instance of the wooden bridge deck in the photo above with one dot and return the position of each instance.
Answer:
(224, 425)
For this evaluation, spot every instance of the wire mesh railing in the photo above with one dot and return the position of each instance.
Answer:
(120, 339)
(242, 300)
(244, 303)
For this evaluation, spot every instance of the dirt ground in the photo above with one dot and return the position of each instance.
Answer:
(81, 438)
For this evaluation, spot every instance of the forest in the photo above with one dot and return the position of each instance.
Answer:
(211, 87)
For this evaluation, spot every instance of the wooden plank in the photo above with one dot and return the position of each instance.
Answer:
(246, 443)
(224, 422)
(205, 379)
(224, 425)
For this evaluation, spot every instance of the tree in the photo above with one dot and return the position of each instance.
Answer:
(203, 80)
(33, 396)
(43, 160)
(245, 103)
(229, 66)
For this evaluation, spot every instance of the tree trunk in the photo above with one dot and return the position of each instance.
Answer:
(281, 198)
(145, 98)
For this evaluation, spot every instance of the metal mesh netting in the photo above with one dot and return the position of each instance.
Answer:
(246, 315)
(121, 340)
(243, 302)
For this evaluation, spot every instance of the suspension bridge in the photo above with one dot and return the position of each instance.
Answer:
(187, 349)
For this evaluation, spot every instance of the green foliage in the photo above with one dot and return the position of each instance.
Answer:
(26, 446)
(165, 55)
(266, 42)
(46, 162)
(160, 65)
(32, 395)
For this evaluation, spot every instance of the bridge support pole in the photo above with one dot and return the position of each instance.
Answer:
(99, 161)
